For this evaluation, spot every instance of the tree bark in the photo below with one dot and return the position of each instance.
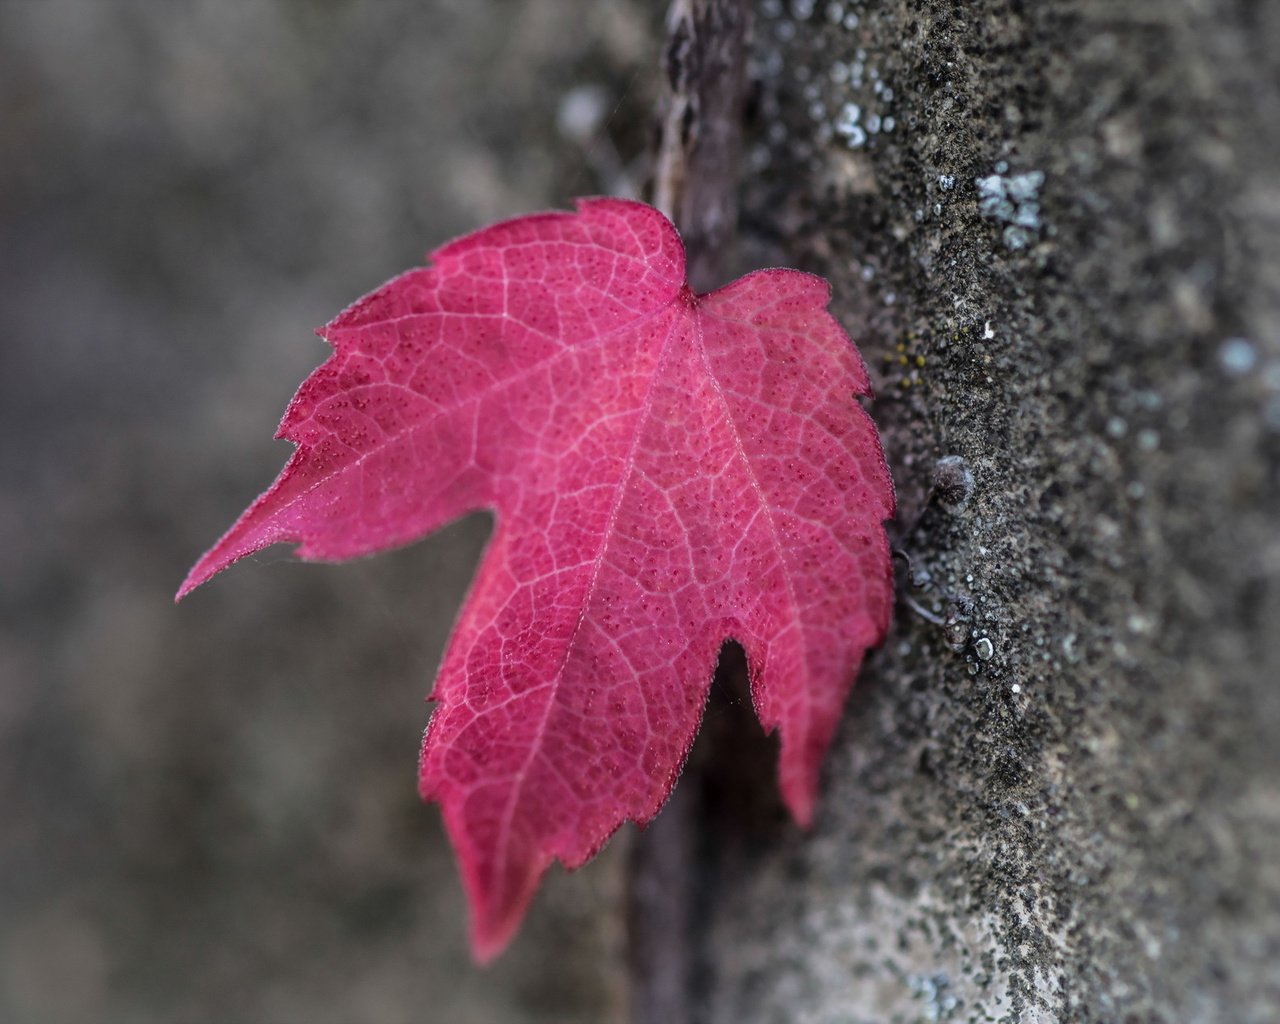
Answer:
(1054, 230)
(696, 184)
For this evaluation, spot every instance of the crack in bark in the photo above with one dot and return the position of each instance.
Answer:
(696, 185)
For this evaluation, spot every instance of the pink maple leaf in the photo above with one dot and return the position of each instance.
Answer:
(668, 471)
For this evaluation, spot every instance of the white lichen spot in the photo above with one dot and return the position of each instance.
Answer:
(984, 648)
(839, 72)
(1024, 187)
(873, 123)
(1148, 439)
(988, 332)
(1016, 237)
(1237, 356)
(888, 125)
(1028, 215)
(934, 991)
(802, 9)
(1117, 427)
(1013, 199)
(946, 182)
(581, 112)
(847, 125)
(835, 13)
(1069, 648)
(1015, 688)
(1140, 623)
(851, 20)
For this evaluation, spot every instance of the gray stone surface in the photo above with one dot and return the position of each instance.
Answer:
(1062, 260)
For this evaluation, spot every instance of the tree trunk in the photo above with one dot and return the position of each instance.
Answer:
(1054, 230)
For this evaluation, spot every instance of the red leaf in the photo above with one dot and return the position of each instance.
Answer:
(667, 470)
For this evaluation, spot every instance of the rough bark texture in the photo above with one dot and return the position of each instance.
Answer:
(1055, 229)
(699, 152)
(1059, 802)
(696, 183)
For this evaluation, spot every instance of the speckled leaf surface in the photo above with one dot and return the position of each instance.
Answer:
(667, 470)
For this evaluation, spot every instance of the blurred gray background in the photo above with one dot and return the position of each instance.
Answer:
(209, 811)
